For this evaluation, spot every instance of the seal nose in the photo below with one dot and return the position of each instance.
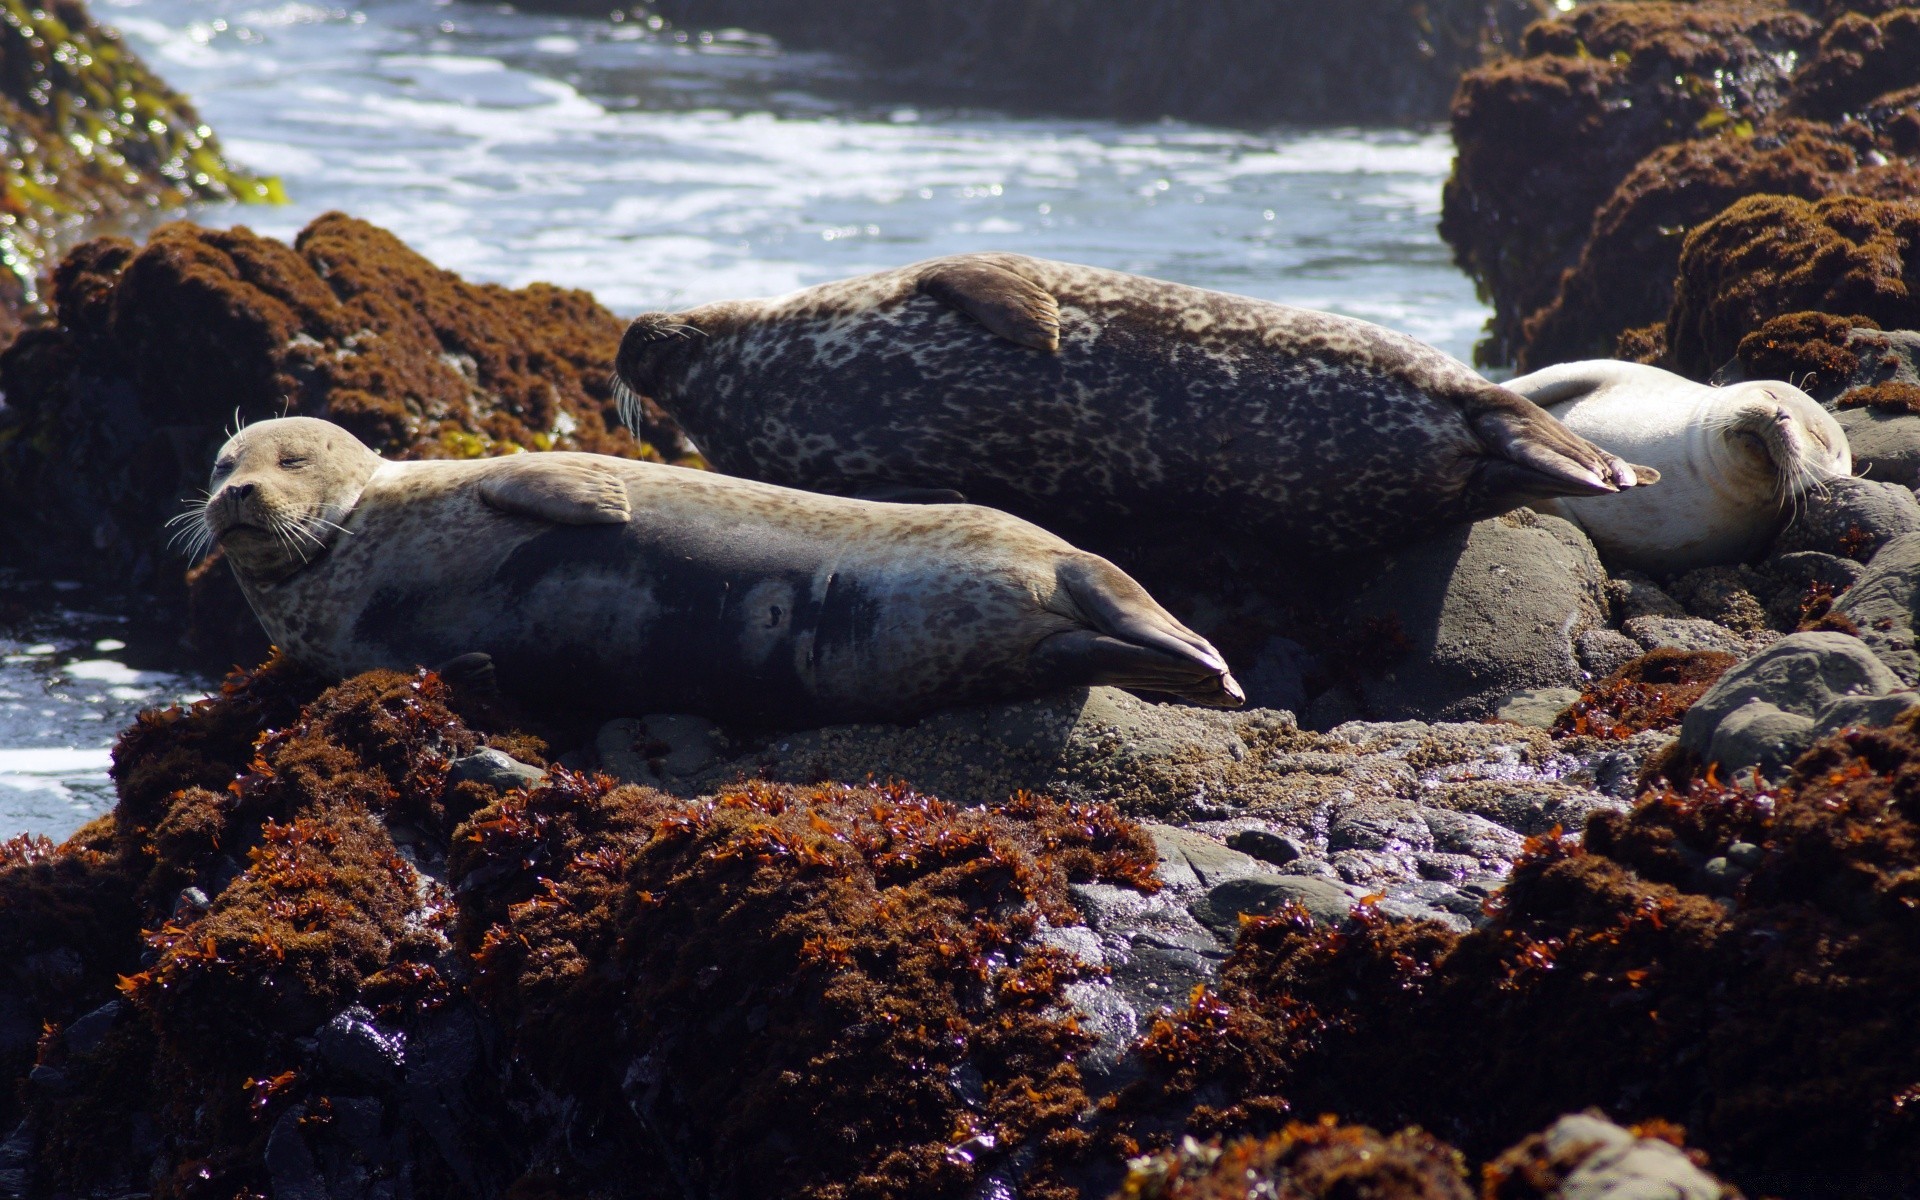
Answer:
(239, 491)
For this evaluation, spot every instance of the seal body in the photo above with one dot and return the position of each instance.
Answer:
(1078, 396)
(1733, 460)
(626, 587)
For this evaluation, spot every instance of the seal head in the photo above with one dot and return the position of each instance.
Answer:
(280, 490)
(1734, 460)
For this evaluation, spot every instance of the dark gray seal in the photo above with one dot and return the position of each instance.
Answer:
(1077, 396)
(615, 586)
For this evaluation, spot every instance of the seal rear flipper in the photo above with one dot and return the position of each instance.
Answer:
(1006, 303)
(1133, 642)
(1532, 454)
(565, 491)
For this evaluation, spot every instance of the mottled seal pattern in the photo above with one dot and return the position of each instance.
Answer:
(1077, 396)
(630, 587)
(1733, 460)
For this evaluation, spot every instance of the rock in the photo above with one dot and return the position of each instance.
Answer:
(1604, 651)
(1189, 859)
(89, 1031)
(1327, 902)
(1763, 712)
(1634, 595)
(1727, 596)
(1277, 678)
(1799, 569)
(1863, 712)
(1266, 846)
(495, 769)
(1769, 256)
(651, 750)
(1485, 612)
(1850, 518)
(1374, 62)
(290, 1162)
(1882, 605)
(1885, 443)
(1540, 707)
(1691, 634)
(1545, 137)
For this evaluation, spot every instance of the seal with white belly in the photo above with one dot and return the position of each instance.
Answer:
(1080, 397)
(1734, 459)
(615, 586)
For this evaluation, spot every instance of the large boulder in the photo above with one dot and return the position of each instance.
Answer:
(1883, 605)
(1766, 711)
(1475, 615)
(1850, 518)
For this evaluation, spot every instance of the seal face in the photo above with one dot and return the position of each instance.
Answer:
(1732, 460)
(1078, 396)
(615, 586)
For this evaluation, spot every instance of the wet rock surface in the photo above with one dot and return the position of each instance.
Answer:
(1142, 60)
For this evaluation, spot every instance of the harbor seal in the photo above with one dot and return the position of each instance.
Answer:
(1080, 397)
(1733, 460)
(631, 587)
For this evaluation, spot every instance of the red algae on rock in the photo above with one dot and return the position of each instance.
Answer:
(1652, 691)
(784, 991)
(1771, 256)
(1742, 962)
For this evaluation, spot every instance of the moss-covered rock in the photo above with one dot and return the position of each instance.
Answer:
(1235, 61)
(1546, 136)
(114, 413)
(1768, 257)
(88, 132)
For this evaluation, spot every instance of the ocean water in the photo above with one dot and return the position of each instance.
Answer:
(661, 169)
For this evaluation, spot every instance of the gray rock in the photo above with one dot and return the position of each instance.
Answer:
(1189, 859)
(1864, 712)
(1266, 846)
(87, 1032)
(652, 750)
(1540, 707)
(16, 1162)
(1615, 1164)
(1759, 735)
(1277, 678)
(494, 769)
(1471, 835)
(1691, 633)
(1850, 518)
(289, 1161)
(1728, 596)
(1220, 910)
(1798, 568)
(1489, 610)
(1765, 710)
(1883, 604)
(1886, 445)
(1604, 651)
(1635, 595)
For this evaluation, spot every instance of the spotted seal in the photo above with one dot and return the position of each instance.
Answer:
(1078, 397)
(1732, 459)
(631, 587)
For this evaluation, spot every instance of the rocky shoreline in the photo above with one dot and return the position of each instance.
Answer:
(1505, 836)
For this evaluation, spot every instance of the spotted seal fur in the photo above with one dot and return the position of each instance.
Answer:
(1077, 396)
(633, 587)
(1733, 460)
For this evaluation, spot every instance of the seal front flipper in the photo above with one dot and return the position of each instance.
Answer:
(1132, 642)
(1006, 303)
(565, 491)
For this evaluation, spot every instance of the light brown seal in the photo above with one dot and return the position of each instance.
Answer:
(627, 587)
(1077, 396)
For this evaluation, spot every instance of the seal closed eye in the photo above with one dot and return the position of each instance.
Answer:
(1081, 397)
(613, 586)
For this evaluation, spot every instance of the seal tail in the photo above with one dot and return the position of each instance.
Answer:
(1132, 642)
